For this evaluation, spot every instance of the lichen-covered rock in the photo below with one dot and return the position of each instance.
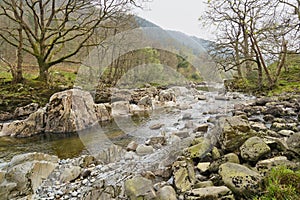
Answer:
(231, 157)
(166, 193)
(184, 175)
(234, 132)
(240, 179)
(213, 193)
(293, 143)
(264, 166)
(201, 146)
(26, 110)
(139, 188)
(254, 148)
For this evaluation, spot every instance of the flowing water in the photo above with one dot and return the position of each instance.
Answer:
(120, 131)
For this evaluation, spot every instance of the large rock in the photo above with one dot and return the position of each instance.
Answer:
(166, 95)
(70, 111)
(254, 148)
(234, 132)
(26, 110)
(26, 173)
(293, 143)
(231, 157)
(102, 112)
(240, 179)
(200, 149)
(139, 188)
(166, 193)
(184, 175)
(213, 193)
(264, 166)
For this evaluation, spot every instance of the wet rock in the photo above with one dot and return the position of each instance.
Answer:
(268, 118)
(139, 188)
(293, 143)
(112, 154)
(184, 175)
(234, 132)
(200, 149)
(231, 157)
(254, 148)
(166, 193)
(70, 174)
(202, 128)
(156, 140)
(120, 108)
(240, 179)
(213, 192)
(156, 126)
(142, 150)
(132, 146)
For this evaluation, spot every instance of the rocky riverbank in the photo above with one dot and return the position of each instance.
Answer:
(226, 156)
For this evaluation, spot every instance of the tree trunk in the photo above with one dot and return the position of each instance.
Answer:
(43, 71)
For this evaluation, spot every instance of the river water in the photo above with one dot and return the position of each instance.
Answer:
(122, 130)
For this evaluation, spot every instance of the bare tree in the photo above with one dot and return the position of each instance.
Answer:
(54, 31)
(251, 34)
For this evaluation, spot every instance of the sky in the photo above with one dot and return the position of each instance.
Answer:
(179, 15)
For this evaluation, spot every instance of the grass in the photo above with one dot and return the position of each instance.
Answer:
(281, 184)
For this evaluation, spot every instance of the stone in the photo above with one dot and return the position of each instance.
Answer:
(231, 157)
(111, 154)
(86, 161)
(132, 146)
(254, 148)
(201, 97)
(286, 133)
(70, 111)
(234, 132)
(146, 102)
(139, 188)
(274, 111)
(202, 128)
(268, 118)
(240, 179)
(186, 116)
(69, 174)
(166, 95)
(278, 126)
(204, 184)
(182, 134)
(257, 126)
(156, 140)
(26, 110)
(266, 165)
(198, 150)
(203, 166)
(166, 193)
(222, 98)
(156, 126)
(293, 143)
(142, 150)
(213, 193)
(120, 108)
(184, 175)
(27, 171)
(102, 112)
(215, 153)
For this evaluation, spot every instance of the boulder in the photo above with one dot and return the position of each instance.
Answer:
(120, 108)
(293, 143)
(198, 150)
(70, 111)
(102, 112)
(184, 175)
(139, 188)
(264, 166)
(254, 148)
(145, 102)
(166, 193)
(25, 110)
(231, 157)
(166, 95)
(213, 193)
(70, 174)
(26, 172)
(240, 179)
(142, 150)
(234, 132)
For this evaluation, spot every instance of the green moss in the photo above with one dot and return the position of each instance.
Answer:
(281, 184)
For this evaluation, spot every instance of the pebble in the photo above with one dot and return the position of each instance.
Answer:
(74, 194)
